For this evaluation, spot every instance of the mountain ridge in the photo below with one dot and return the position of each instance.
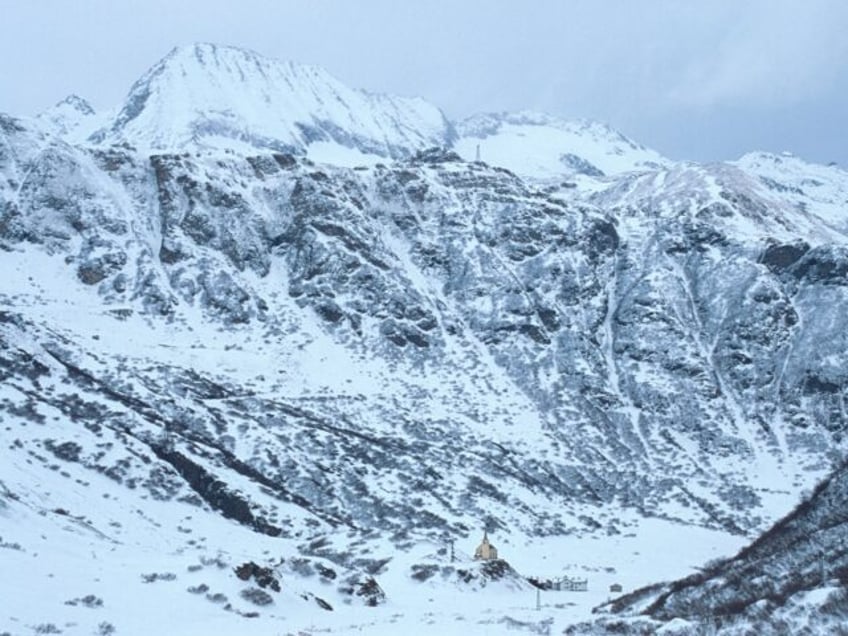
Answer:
(203, 92)
(538, 144)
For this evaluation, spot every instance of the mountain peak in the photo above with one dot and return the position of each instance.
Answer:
(221, 96)
(76, 103)
(236, 61)
(72, 118)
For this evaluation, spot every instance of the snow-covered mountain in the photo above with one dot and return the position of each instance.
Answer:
(542, 146)
(247, 356)
(214, 96)
(73, 119)
(808, 188)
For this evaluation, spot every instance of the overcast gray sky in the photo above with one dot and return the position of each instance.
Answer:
(695, 80)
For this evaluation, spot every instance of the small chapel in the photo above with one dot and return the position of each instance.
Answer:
(486, 551)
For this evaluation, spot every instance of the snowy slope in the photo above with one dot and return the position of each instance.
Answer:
(543, 146)
(753, 203)
(790, 580)
(218, 96)
(822, 190)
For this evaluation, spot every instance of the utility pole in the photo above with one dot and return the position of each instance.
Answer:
(538, 599)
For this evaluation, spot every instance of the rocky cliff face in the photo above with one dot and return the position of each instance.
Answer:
(645, 353)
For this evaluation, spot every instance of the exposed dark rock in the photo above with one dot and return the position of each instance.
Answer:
(257, 597)
(780, 257)
(96, 269)
(580, 165)
(68, 451)
(324, 605)
(436, 155)
(215, 492)
(263, 576)
(824, 265)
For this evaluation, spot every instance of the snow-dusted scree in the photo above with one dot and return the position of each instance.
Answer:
(275, 352)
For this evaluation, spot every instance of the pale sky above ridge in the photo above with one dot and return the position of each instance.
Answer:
(695, 80)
